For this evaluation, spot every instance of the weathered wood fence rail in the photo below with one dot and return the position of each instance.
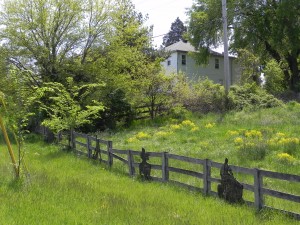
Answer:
(90, 146)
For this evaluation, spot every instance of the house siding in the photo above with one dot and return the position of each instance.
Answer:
(173, 67)
(194, 71)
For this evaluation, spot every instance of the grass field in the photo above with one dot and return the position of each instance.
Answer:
(66, 189)
(266, 139)
(250, 139)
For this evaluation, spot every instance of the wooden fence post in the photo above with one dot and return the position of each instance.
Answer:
(59, 136)
(73, 139)
(206, 177)
(88, 146)
(109, 154)
(130, 163)
(98, 148)
(165, 165)
(258, 195)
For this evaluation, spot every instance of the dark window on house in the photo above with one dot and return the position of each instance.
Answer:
(169, 62)
(183, 59)
(217, 65)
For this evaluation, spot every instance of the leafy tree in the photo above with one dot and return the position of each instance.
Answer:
(250, 66)
(156, 94)
(15, 108)
(175, 34)
(129, 62)
(63, 105)
(268, 28)
(42, 34)
(274, 78)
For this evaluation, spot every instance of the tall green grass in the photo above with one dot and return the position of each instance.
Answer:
(66, 189)
(266, 139)
(210, 137)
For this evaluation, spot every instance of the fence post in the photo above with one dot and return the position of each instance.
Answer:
(98, 148)
(88, 146)
(258, 195)
(206, 177)
(130, 163)
(73, 139)
(109, 154)
(59, 136)
(165, 165)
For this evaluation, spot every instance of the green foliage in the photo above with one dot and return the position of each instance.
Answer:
(250, 65)
(275, 82)
(156, 92)
(117, 113)
(261, 27)
(202, 96)
(204, 23)
(250, 96)
(62, 105)
(50, 31)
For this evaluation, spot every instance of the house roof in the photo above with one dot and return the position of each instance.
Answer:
(185, 46)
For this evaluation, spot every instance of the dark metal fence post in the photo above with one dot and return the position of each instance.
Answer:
(206, 177)
(165, 165)
(258, 195)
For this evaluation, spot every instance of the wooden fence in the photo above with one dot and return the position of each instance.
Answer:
(89, 145)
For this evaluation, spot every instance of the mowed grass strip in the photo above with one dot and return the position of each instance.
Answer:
(66, 189)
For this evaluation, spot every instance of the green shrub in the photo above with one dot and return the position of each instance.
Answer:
(250, 96)
(203, 96)
(178, 112)
(275, 82)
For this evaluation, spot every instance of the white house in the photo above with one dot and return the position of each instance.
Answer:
(181, 61)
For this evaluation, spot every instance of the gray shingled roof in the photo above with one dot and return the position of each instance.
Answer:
(181, 46)
(186, 47)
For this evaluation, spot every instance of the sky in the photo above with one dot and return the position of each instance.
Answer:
(162, 13)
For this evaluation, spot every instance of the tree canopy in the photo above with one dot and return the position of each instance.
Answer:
(269, 28)
(101, 43)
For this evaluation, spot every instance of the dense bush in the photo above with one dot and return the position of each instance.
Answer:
(250, 96)
(203, 96)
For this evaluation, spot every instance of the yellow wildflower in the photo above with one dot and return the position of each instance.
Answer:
(280, 134)
(175, 127)
(285, 157)
(162, 134)
(210, 125)
(253, 134)
(142, 135)
(233, 132)
(188, 123)
(195, 129)
(132, 139)
(238, 141)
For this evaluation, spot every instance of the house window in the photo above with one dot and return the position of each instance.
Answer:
(183, 59)
(169, 62)
(217, 65)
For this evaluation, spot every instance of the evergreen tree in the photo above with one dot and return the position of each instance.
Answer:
(175, 34)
